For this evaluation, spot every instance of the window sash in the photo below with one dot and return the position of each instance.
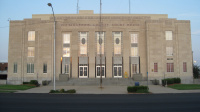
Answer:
(117, 47)
(168, 35)
(66, 38)
(31, 36)
(134, 38)
(31, 51)
(30, 68)
(98, 35)
(66, 52)
(67, 68)
(15, 68)
(170, 67)
(155, 67)
(83, 47)
(134, 51)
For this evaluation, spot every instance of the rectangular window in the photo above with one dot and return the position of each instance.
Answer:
(30, 68)
(31, 51)
(31, 36)
(100, 42)
(117, 42)
(134, 38)
(184, 67)
(169, 51)
(83, 42)
(15, 68)
(66, 38)
(44, 68)
(66, 68)
(168, 35)
(66, 52)
(134, 51)
(155, 67)
(170, 67)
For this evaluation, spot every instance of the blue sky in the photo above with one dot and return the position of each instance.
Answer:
(20, 9)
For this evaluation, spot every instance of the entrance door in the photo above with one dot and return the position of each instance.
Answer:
(117, 71)
(98, 75)
(83, 71)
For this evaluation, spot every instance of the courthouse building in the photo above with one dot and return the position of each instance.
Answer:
(132, 46)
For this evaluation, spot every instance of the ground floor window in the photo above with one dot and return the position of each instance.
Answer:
(98, 73)
(117, 71)
(170, 67)
(155, 67)
(184, 67)
(44, 68)
(15, 68)
(66, 68)
(30, 68)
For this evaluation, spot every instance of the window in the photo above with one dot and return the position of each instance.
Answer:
(169, 51)
(134, 51)
(66, 52)
(117, 42)
(168, 35)
(67, 68)
(134, 38)
(83, 42)
(184, 67)
(30, 68)
(155, 67)
(31, 51)
(170, 67)
(44, 68)
(66, 38)
(100, 41)
(15, 68)
(31, 36)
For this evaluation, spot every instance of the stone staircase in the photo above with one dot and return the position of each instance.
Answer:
(96, 82)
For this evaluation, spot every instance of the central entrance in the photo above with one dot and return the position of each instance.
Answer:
(117, 71)
(83, 71)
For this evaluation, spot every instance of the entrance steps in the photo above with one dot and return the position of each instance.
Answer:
(96, 82)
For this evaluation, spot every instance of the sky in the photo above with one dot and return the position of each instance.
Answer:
(179, 9)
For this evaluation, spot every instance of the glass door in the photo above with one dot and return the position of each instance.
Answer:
(117, 71)
(98, 75)
(83, 71)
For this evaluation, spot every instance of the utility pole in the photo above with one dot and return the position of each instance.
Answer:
(100, 42)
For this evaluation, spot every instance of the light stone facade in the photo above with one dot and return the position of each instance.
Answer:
(149, 29)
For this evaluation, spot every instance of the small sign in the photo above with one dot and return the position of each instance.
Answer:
(125, 75)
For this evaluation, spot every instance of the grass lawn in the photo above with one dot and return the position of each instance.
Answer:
(185, 86)
(16, 87)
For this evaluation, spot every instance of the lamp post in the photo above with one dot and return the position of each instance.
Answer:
(54, 81)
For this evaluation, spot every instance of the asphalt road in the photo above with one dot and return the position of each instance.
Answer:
(99, 103)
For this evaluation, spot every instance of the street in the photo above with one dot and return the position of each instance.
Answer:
(94, 103)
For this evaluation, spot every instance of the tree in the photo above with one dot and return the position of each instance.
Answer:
(196, 71)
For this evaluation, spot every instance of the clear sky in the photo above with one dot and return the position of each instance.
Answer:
(20, 9)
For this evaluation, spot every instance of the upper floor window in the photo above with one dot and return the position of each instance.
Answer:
(44, 68)
(117, 42)
(100, 42)
(66, 52)
(134, 38)
(169, 51)
(83, 42)
(134, 51)
(31, 51)
(66, 38)
(31, 36)
(168, 35)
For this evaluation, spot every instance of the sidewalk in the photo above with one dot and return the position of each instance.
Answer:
(157, 89)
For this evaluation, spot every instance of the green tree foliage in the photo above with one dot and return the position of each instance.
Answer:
(196, 71)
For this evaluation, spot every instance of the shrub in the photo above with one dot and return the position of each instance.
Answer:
(45, 82)
(138, 89)
(62, 90)
(170, 81)
(71, 91)
(177, 80)
(26, 82)
(34, 82)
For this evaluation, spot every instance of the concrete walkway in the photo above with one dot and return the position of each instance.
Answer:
(157, 89)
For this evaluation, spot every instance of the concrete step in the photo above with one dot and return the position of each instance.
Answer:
(96, 82)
